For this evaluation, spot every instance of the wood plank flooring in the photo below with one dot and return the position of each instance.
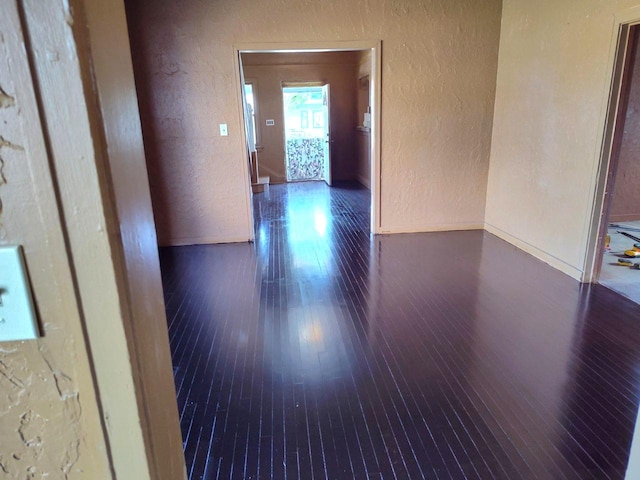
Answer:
(320, 352)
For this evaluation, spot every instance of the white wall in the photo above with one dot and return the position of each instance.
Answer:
(554, 73)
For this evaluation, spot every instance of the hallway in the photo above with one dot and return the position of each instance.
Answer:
(322, 352)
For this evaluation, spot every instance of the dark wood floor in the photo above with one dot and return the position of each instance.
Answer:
(319, 352)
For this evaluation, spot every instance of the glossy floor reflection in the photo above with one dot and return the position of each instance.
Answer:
(319, 352)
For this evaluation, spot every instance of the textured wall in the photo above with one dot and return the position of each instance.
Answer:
(553, 84)
(49, 419)
(625, 205)
(270, 71)
(438, 84)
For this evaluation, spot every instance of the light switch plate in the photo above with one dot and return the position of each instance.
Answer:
(17, 313)
(223, 130)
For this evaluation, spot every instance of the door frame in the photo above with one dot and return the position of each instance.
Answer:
(375, 46)
(328, 141)
(610, 122)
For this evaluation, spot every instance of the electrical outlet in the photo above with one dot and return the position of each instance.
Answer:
(17, 313)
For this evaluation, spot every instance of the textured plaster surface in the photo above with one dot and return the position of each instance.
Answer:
(270, 71)
(438, 85)
(552, 87)
(625, 205)
(49, 420)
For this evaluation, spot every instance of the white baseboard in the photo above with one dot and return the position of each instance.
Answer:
(432, 228)
(547, 258)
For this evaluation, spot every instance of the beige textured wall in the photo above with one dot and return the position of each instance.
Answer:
(625, 204)
(438, 85)
(72, 403)
(336, 68)
(553, 83)
(49, 418)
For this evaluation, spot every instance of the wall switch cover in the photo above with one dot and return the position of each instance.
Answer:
(223, 130)
(17, 313)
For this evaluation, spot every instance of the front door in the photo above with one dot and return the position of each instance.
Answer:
(306, 132)
(327, 134)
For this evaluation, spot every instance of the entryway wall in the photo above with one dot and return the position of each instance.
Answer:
(271, 70)
(553, 86)
(93, 397)
(437, 81)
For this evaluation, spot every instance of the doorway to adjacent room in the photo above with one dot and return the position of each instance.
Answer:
(306, 123)
(617, 258)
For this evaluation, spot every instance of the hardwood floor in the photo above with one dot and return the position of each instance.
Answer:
(320, 352)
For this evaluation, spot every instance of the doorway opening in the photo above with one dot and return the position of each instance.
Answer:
(306, 123)
(307, 132)
(617, 258)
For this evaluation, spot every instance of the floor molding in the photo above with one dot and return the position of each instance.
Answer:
(546, 257)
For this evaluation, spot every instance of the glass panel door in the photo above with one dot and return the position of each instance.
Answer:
(305, 123)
